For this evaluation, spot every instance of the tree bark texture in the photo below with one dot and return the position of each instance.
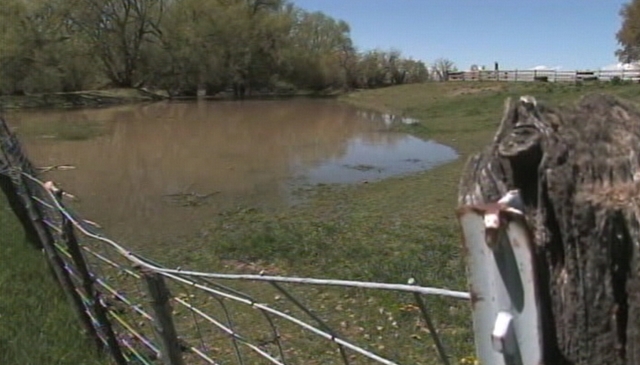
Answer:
(578, 172)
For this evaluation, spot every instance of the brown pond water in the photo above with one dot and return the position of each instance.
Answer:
(132, 162)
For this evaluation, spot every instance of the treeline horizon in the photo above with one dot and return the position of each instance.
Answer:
(182, 46)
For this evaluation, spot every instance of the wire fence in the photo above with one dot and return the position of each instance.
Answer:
(140, 312)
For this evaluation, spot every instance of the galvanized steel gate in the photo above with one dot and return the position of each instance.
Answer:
(501, 273)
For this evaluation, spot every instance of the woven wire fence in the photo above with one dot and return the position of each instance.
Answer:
(141, 312)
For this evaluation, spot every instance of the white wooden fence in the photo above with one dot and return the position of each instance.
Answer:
(545, 75)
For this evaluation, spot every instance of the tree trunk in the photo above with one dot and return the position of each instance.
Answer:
(578, 173)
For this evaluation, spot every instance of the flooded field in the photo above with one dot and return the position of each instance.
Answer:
(157, 172)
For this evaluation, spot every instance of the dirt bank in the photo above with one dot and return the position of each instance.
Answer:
(89, 98)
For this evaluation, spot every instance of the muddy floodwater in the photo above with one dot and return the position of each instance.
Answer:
(156, 172)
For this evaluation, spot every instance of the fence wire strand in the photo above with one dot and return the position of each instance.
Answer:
(285, 316)
(274, 329)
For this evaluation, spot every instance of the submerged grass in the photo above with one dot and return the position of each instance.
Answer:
(65, 130)
(387, 231)
(37, 325)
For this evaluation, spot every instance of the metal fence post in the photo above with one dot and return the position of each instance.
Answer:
(170, 353)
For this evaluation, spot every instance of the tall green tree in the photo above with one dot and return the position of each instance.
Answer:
(39, 52)
(186, 45)
(319, 50)
(14, 56)
(188, 52)
(629, 34)
(118, 31)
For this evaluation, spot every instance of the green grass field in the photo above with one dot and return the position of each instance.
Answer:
(37, 325)
(386, 231)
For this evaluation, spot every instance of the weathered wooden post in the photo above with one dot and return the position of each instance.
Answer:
(561, 251)
(9, 190)
(104, 325)
(7, 144)
(56, 263)
(170, 353)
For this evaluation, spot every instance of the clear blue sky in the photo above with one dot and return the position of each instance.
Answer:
(571, 34)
